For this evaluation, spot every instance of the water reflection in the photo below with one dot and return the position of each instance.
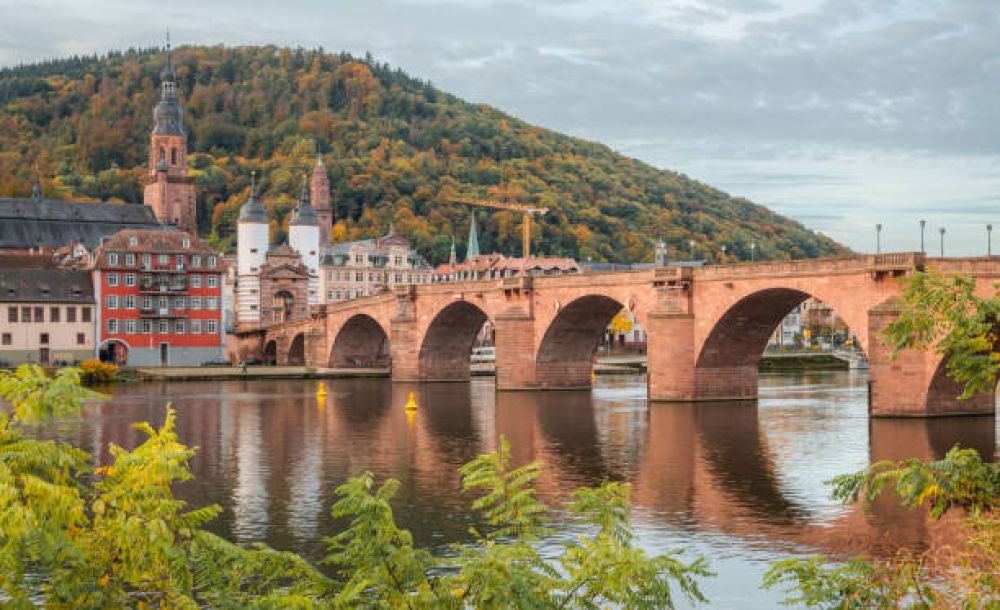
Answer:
(741, 482)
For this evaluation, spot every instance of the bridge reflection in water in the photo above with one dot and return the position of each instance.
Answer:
(740, 479)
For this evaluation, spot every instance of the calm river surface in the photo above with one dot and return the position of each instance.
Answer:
(740, 483)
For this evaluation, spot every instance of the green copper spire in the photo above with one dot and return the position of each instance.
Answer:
(473, 249)
(452, 259)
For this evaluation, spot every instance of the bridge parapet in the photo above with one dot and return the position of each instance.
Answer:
(897, 262)
(786, 268)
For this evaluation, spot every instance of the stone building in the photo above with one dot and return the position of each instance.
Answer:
(46, 312)
(354, 269)
(169, 191)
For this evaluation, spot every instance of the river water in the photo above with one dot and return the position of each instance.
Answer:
(741, 483)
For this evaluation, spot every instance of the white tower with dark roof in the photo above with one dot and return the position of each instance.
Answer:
(303, 237)
(251, 254)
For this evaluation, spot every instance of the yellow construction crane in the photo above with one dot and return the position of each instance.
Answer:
(527, 211)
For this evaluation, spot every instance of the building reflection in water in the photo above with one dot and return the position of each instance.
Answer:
(746, 474)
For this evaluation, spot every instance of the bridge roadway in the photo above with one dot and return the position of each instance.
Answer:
(706, 328)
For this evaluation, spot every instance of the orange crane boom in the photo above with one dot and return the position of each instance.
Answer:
(527, 212)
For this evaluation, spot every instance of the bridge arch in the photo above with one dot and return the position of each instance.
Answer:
(360, 342)
(943, 393)
(297, 351)
(446, 346)
(566, 350)
(727, 358)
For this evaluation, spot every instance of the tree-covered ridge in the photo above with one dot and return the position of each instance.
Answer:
(396, 148)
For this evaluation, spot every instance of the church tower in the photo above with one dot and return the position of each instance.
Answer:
(169, 190)
(319, 190)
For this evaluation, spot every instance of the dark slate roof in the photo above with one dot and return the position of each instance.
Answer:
(34, 223)
(45, 286)
(253, 211)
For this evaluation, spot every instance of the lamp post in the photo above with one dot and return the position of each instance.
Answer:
(753, 247)
(723, 253)
(691, 243)
(923, 223)
(942, 241)
(989, 240)
(878, 238)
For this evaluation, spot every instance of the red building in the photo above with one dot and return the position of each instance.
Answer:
(159, 299)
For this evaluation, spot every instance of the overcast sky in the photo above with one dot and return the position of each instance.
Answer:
(840, 114)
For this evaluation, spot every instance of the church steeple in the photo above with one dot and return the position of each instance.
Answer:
(473, 249)
(169, 190)
(452, 259)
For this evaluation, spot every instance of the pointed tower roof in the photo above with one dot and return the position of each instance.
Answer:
(452, 259)
(473, 249)
(253, 210)
(168, 118)
(304, 214)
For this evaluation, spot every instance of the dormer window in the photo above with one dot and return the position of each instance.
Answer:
(186, 243)
(133, 241)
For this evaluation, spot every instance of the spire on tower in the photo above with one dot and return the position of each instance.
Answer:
(304, 214)
(473, 248)
(452, 259)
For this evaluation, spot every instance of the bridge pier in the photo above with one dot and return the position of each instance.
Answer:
(916, 383)
(670, 357)
(514, 341)
(404, 348)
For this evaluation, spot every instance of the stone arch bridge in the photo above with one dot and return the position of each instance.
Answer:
(707, 328)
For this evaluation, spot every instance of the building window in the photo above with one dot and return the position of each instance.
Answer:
(329, 295)
(360, 277)
(12, 314)
(54, 314)
(195, 327)
(212, 281)
(111, 301)
(129, 301)
(7, 339)
(329, 276)
(85, 314)
(133, 241)
(130, 279)
(399, 260)
(81, 338)
(43, 338)
(179, 326)
(179, 303)
(211, 303)
(39, 314)
(111, 325)
(399, 278)
(146, 303)
(211, 326)
(211, 262)
(195, 281)
(147, 326)
(180, 261)
(71, 314)
(112, 279)
(162, 259)
(112, 258)
(196, 260)
(147, 261)
(163, 302)
(130, 256)
(359, 258)
(186, 243)
(164, 327)
(146, 281)
(195, 302)
(130, 327)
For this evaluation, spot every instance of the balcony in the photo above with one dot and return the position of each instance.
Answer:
(162, 312)
(162, 289)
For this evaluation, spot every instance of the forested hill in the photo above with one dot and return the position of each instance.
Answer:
(397, 149)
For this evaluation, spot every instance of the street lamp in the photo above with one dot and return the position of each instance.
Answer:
(989, 239)
(753, 246)
(942, 241)
(923, 223)
(878, 238)
(723, 252)
(691, 243)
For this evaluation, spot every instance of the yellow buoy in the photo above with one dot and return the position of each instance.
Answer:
(411, 404)
(321, 392)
